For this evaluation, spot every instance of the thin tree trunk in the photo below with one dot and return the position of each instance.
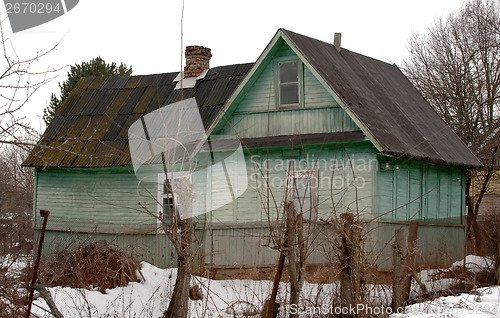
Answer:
(179, 303)
(350, 275)
(294, 266)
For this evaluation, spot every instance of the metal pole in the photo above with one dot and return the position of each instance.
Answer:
(45, 215)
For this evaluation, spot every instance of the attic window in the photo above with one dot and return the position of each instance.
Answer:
(289, 83)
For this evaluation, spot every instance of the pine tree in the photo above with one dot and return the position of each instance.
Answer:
(96, 67)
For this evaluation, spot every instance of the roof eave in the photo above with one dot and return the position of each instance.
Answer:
(438, 162)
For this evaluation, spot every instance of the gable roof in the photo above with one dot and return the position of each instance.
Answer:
(378, 97)
(91, 127)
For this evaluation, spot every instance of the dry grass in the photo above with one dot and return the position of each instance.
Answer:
(100, 265)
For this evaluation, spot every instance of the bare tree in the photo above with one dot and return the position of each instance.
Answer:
(16, 182)
(455, 66)
(19, 81)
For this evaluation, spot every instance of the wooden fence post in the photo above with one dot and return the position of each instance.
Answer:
(398, 269)
(350, 275)
(410, 257)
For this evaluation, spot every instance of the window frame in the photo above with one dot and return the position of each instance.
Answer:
(161, 195)
(300, 82)
(290, 189)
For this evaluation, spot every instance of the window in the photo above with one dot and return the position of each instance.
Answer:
(173, 196)
(289, 83)
(302, 189)
(168, 202)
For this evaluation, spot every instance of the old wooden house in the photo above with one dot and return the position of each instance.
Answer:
(348, 132)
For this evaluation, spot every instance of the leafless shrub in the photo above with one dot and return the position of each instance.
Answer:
(491, 229)
(13, 281)
(466, 278)
(95, 264)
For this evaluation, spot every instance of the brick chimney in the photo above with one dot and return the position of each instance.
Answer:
(197, 60)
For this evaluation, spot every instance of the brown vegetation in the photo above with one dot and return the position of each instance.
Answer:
(98, 264)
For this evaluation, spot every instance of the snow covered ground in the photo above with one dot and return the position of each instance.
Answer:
(244, 298)
(483, 303)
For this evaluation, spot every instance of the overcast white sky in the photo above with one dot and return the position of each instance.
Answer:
(147, 34)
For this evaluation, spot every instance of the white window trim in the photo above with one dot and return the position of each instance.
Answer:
(278, 86)
(291, 175)
(160, 194)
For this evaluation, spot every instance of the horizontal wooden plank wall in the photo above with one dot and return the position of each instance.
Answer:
(490, 205)
(251, 246)
(257, 115)
(103, 200)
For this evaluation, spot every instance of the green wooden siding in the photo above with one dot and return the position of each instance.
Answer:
(344, 175)
(418, 191)
(102, 200)
(257, 114)
(103, 204)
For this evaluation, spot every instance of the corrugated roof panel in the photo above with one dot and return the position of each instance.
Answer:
(121, 81)
(203, 90)
(83, 83)
(89, 133)
(53, 129)
(174, 96)
(60, 153)
(93, 103)
(96, 132)
(123, 134)
(73, 153)
(159, 99)
(105, 155)
(69, 129)
(123, 159)
(79, 106)
(166, 79)
(76, 125)
(209, 113)
(110, 82)
(218, 94)
(97, 82)
(86, 154)
(133, 82)
(242, 69)
(149, 94)
(104, 126)
(115, 82)
(116, 126)
(52, 154)
(33, 156)
(131, 102)
(105, 102)
(148, 80)
(71, 99)
(119, 100)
